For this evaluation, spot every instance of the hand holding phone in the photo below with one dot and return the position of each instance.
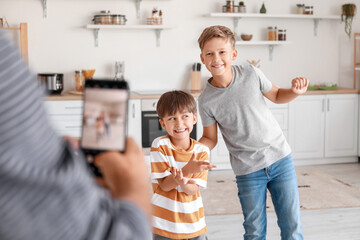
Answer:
(104, 118)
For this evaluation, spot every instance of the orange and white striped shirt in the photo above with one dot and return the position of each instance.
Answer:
(177, 215)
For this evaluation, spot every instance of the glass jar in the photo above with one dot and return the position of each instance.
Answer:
(309, 10)
(230, 6)
(272, 33)
(282, 34)
(300, 8)
(79, 81)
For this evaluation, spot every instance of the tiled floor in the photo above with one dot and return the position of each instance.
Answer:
(324, 224)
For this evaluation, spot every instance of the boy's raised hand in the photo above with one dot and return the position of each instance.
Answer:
(299, 85)
(179, 177)
(196, 166)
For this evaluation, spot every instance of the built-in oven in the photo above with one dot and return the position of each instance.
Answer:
(151, 127)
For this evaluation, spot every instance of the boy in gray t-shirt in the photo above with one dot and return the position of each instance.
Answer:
(260, 156)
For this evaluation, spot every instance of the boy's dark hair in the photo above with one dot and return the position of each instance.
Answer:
(174, 101)
(216, 32)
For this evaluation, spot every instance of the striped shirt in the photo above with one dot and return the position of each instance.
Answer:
(46, 189)
(177, 215)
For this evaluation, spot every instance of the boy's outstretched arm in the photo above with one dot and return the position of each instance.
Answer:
(299, 86)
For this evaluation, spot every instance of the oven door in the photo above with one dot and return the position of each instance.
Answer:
(151, 128)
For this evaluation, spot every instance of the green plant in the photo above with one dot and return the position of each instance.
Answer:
(347, 16)
(241, 3)
(263, 9)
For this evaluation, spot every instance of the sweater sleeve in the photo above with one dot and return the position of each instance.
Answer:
(46, 189)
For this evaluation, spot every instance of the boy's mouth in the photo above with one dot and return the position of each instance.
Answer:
(180, 130)
(217, 65)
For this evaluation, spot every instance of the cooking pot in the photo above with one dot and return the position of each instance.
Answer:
(106, 18)
(53, 82)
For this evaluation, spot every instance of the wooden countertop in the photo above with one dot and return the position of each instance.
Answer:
(134, 95)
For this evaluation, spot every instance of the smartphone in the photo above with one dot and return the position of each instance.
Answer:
(104, 125)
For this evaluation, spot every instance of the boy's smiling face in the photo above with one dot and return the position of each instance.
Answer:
(179, 127)
(217, 55)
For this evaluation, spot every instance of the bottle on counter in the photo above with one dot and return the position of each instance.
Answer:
(119, 70)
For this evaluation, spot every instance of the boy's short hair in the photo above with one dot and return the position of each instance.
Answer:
(174, 101)
(216, 32)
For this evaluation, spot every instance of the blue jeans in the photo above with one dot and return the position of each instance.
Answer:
(280, 179)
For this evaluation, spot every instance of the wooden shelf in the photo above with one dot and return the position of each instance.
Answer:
(156, 28)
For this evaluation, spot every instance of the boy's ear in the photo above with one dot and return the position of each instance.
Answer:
(202, 58)
(195, 118)
(162, 123)
(234, 54)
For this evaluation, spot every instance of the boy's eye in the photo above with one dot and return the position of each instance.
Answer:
(172, 118)
(222, 52)
(208, 54)
(185, 116)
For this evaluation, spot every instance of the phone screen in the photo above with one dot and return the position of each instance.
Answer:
(104, 116)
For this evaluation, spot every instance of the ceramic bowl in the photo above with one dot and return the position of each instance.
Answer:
(246, 37)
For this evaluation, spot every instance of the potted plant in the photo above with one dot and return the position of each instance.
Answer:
(348, 13)
(242, 7)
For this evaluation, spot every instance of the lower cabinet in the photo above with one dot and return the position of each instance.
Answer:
(65, 116)
(324, 128)
(220, 154)
(134, 120)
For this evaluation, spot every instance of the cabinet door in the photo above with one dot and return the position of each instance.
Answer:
(306, 126)
(220, 154)
(341, 125)
(65, 116)
(134, 120)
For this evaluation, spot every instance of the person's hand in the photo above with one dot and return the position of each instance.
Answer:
(126, 174)
(73, 141)
(179, 177)
(299, 85)
(197, 166)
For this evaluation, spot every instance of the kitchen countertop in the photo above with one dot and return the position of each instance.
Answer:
(144, 95)
(133, 95)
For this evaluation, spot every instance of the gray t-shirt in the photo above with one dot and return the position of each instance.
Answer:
(250, 131)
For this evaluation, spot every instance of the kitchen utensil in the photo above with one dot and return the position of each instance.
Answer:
(246, 37)
(88, 73)
(53, 82)
(106, 18)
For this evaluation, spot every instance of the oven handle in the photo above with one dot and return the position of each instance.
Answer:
(150, 115)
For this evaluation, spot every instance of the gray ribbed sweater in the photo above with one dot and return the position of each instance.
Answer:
(46, 190)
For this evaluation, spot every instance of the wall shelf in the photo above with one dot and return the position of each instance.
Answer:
(138, 3)
(156, 28)
(238, 16)
(270, 44)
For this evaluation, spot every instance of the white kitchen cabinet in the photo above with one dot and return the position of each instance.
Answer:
(220, 154)
(134, 120)
(322, 127)
(65, 116)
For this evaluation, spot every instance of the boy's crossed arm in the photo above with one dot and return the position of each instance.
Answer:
(182, 176)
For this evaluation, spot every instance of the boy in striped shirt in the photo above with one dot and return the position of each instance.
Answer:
(179, 167)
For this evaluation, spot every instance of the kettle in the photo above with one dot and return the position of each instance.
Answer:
(53, 82)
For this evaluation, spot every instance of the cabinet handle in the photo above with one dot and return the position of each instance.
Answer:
(323, 105)
(133, 110)
(328, 105)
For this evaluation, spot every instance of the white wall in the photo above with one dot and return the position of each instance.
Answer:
(61, 43)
